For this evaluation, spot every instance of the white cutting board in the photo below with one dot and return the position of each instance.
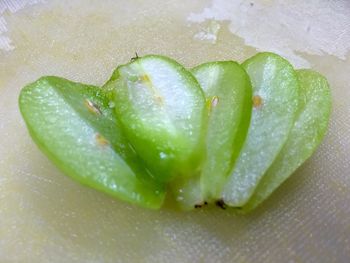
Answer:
(46, 217)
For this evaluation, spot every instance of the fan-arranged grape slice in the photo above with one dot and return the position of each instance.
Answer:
(74, 126)
(307, 133)
(228, 93)
(162, 110)
(275, 102)
(228, 90)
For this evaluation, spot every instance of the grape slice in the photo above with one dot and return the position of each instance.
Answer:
(307, 133)
(162, 110)
(228, 90)
(74, 126)
(275, 101)
(228, 93)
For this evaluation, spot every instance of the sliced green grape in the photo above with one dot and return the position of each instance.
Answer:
(307, 133)
(227, 88)
(228, 92)
(275, 102)
(73, 124)
(162, 110)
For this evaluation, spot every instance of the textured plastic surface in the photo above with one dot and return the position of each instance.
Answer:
(47, 217)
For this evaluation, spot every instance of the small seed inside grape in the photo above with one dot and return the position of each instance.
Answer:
(257, 101)
(159, 100)
(214, 101)
(101, 140)
(144, 78)
(92, 107)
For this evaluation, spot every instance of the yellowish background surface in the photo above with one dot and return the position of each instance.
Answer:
(46, 217)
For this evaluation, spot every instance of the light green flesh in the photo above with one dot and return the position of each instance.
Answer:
(73, 124)
(306, 134)
(275, 81)
(228, 93)
(162, 110)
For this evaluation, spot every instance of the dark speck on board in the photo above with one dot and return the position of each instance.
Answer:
(220, 203)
